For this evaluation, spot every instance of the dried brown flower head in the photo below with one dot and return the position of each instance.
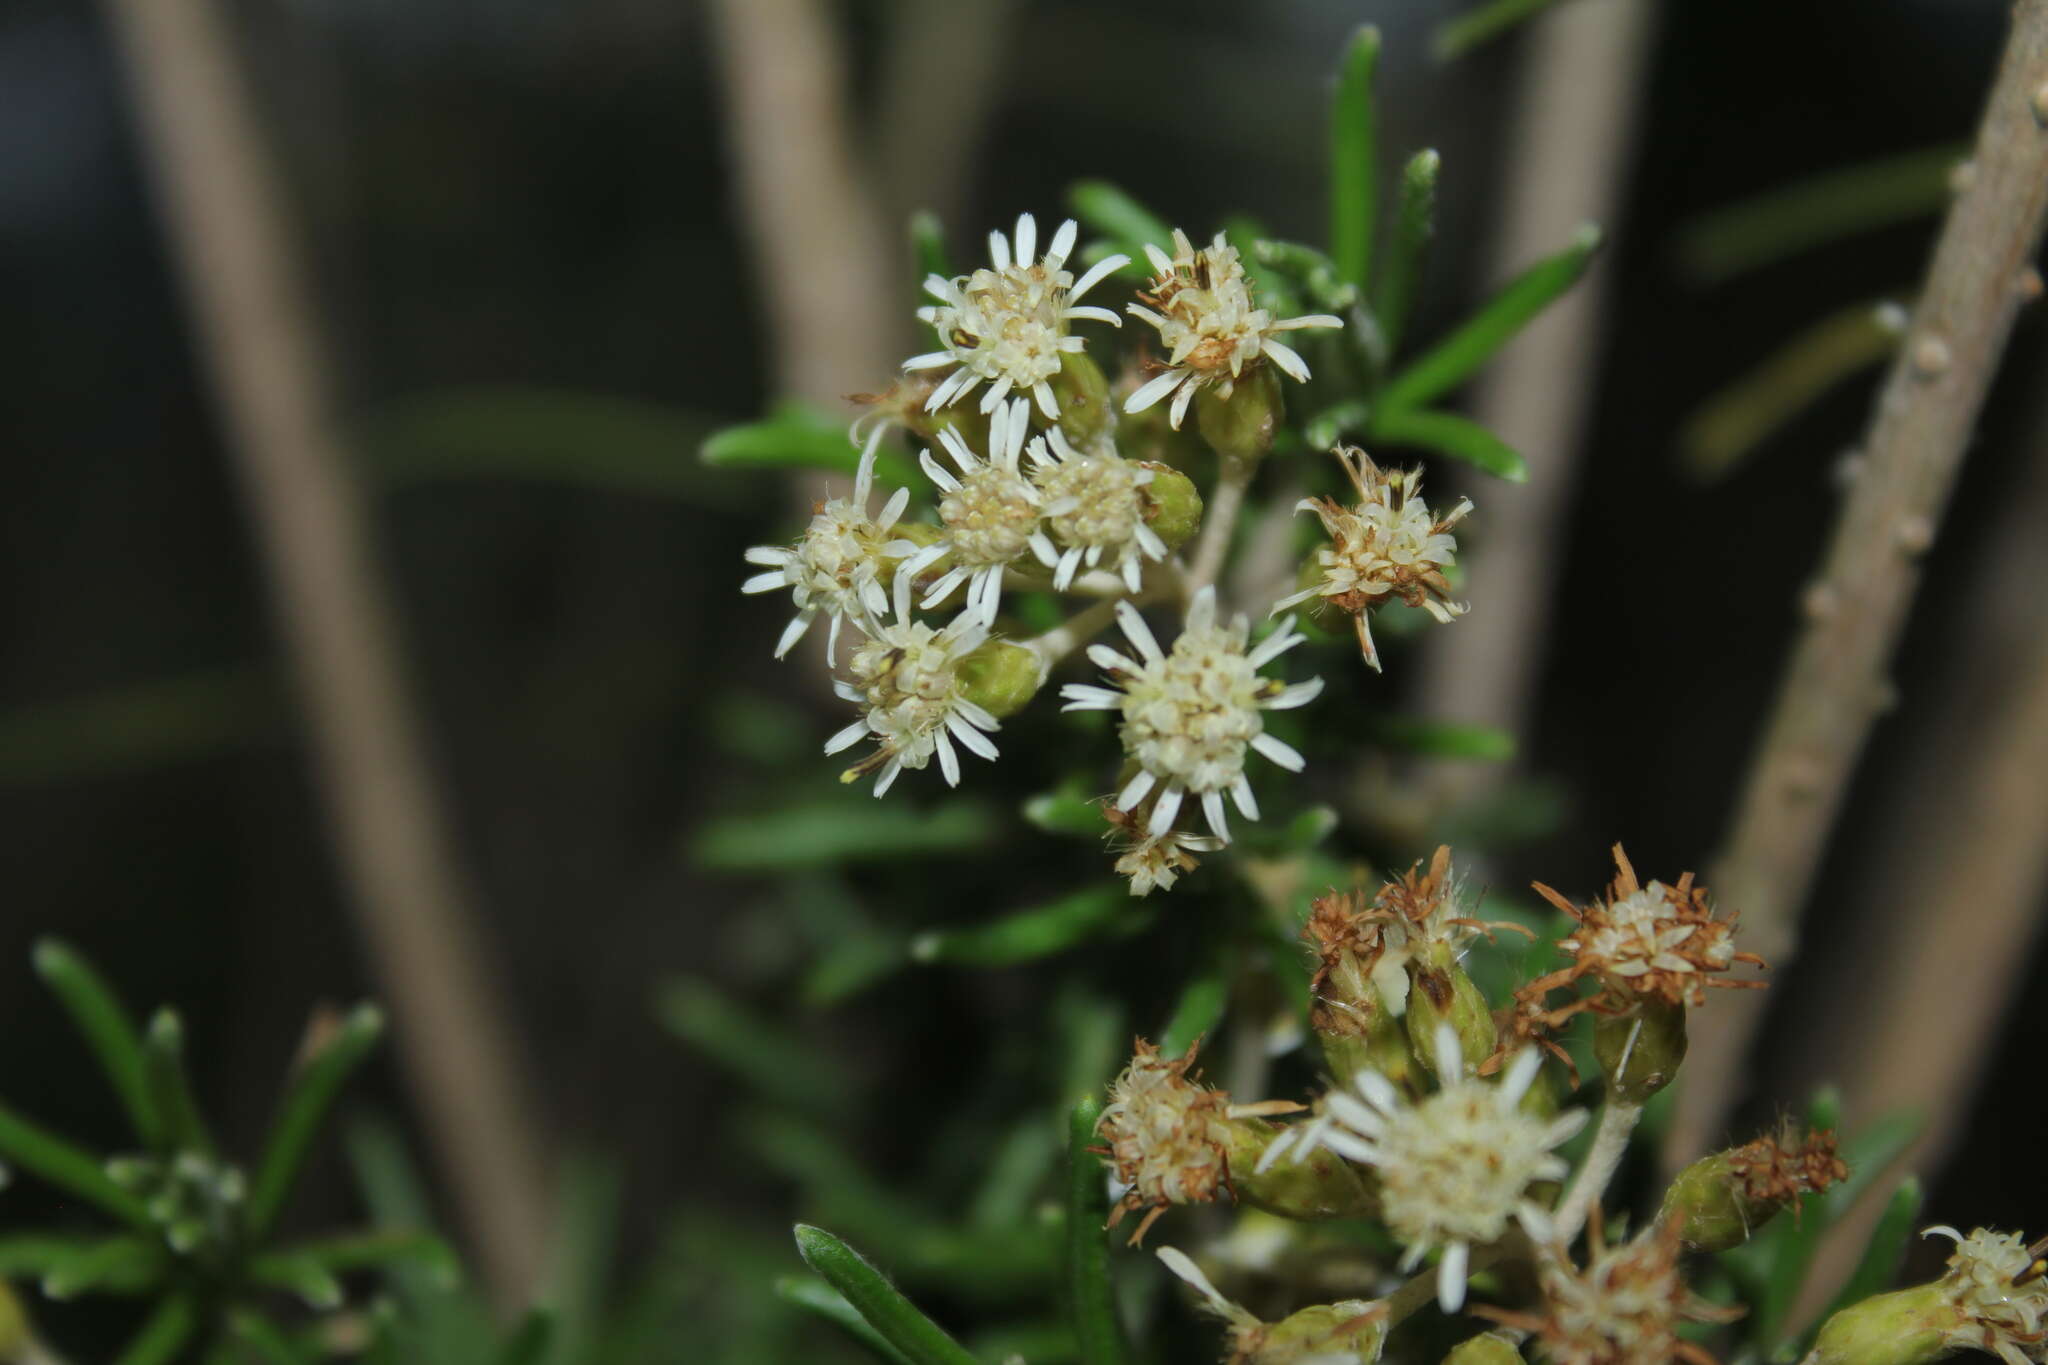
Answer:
(1656, 940)
(1780, 1168)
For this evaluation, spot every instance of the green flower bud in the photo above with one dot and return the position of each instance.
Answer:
(1488, 1348)
(1722, 1200)
(1641, 1050)
(1001, 677)
(1241, 426)
(1348, 1331)
(1083, 394)
(1173, 505)
(1908, 1327)
(1440, 992)
(1320, 1185)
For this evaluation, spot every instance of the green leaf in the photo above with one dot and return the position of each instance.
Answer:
(266, 1338)
(1400, 279)
(1032, 934)
(134, 729)
(894, 1318)
(1449, 434)
(36, 1149)
(1820, 209)
(1885, 1251)
(797, 436)
(306, 1103)
(1197, 1012)
(287, 1267)
(1129, 225)
(1090, 1296)
(584, 440)
(1440, 738)
(928, 249)
(183, 1127)
(1453, 360)
(765, 1054)
(164, 1335)
(813, 1295)
(1744, 414)
(97, 1012)
(313, 1282)
(1066, 812)
(839, 830)
(1015, 1174)
(531, 1342)
(1354, 158)
(1329, 427)
(1274, 291)
(1487, 22)
(126, 1264)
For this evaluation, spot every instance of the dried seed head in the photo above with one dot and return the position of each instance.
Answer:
(1623, 1308)
(1722, 1200)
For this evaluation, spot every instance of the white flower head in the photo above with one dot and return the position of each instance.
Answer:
(2001, 1316)
(1189, 716)
(1624, 1308)
(906, 678)
(1094, 509)
(1454, 1167)
(991, 513)
(1007, 326)
(1211, 326)
(1154, 862)
(1388, 546)
(838, 566)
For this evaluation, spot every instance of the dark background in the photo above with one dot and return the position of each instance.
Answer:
(530, 195)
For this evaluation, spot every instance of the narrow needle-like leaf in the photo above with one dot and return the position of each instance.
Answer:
(97, 1012)
(308, 1097)
(36, 1149)
(815, 1296)
(1354, 158)
(164, 1335)
(1400, 278)
(895, 1318)
(1091, 1297)
(1449, 434)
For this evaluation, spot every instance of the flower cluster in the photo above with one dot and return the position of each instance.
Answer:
(1623, 1308)
(1388, 547)
(2002, 1307)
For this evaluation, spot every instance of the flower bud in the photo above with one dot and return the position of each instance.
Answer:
(1354, 1330)
(1640, 1050)
(1320, 1185)
(1440, 992)
(1488, 1348)
(1082, 391)
(1001, 677)
(1240, 426)
(1908, 1327)
(1722, 1200)
(1173, 505)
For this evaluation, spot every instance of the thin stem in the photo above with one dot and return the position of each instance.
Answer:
(1420, 1290)
(1219, 523)
(1834, 686)
(1077, 630)
(1610, 1142)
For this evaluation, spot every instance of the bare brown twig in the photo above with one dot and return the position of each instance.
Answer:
(1834, 686)
(259, 340)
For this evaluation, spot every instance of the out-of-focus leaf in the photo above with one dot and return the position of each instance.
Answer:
(1274, 291)
(164, 1335)
(134, 729)
(1092, 1041)
(1812, 212)
(1885, 1251)
(841, 830)
(1066, 811)
(1441, 738)
(1727, 427)
(97, 1012)
(815, 1296)
(1032, 934)
(1129, 225)
(1016, 1173)
(1400, 279)
(762, 730)
(305, 1263)
(797, 436)
(1315, 273)
(1450, 434)
(1482, 24)
(1354, 158)
(1197, 1012)
(761, 1052)
(1451, 361)
(125, 1264)
(1090, 1296)
(34, 1148)
(532, 1341)
(928, 249)
(1332, 424)
(265, 1338)
(441, 1323)
(308, 1099)
(895, 1318)
(586, 440)
(170, 1085)
(1512, 813)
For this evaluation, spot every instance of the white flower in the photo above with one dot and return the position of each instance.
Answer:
(1156, 861)
(1388, 546)
(906, 677)
(2002, 1317)
(1008, 326)
(1454, 1167)
(1094, 509)
(1210, 325)
(991, 515)
(837, 567)
(1189, 716)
